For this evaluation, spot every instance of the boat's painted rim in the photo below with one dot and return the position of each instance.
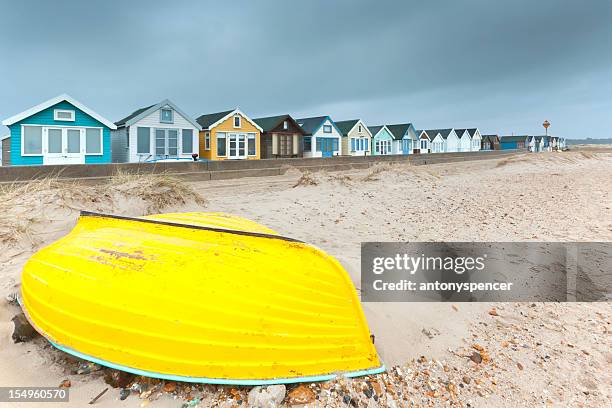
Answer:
(224, 381)
(197, 227)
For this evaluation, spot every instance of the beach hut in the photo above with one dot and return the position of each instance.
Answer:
(382, 140)
(490, 142)
(404, 138)
(443, 140)
(355, 137)
(513, 142)
(59, 131)
(321, 136)
(5, 158)
(475, 138)
(158, 132)
(464, 140)
(229, 135)
(281, 137)
(424, 142)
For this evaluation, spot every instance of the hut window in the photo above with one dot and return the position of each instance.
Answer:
(285, 125)
(307, 144)
(327, 129)
(63, 115)
(221, 144)
(251, 145)
(143, 140)
(93, 141)
(187, 139)
(166, 116)
(353, 145)
(207, 140)
(359, 128)
(32, 140)
(236, 121)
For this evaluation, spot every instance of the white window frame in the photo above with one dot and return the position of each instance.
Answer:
(327, 127)
(84, 141)
(285, 125)
(182, 139)
(44, 148)
(56, 112)
(42, 142)
(161, 115)
(239, 121)
(226, 138)
(251, 136)
(207, 141)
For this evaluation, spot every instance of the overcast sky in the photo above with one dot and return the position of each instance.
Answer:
(503, 66)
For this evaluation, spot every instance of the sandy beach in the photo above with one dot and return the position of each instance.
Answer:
(532, 354)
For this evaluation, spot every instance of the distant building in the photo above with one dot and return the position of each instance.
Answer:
(513, 142)
(322, 136)
(356, 137)
(382, 140)
(490, 142)
(158, 132)
(443, 140)
(58, 131)
(281, 137)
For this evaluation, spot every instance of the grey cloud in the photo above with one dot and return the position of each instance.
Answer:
(500, 65)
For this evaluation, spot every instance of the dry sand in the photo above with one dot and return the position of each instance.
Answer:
(535, 354)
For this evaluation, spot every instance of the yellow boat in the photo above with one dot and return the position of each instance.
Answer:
(199, 297)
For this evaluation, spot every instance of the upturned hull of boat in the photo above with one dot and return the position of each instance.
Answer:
(202, 297)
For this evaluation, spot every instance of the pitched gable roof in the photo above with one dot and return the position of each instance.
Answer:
(399, 131)
(375, 129)
(443, 132)
(472, 131)
(420, 132)
(460, 132)
(490, 138)
(55, 101)
(132, 115)
(208, 119)
(345, 126)
(311, 125)
(271, 122)
(146, 111)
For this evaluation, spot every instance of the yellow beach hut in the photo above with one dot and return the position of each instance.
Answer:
(229, 135)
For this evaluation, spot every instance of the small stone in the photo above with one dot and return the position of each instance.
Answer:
(476, 357)
(376, 387)
(65, 384)
(466, 379)
(266, 397)
(124, 393)
(86, 367)
(493, 312)
(520, 366)
(301, 395)
(23, 330)
(169, 387)
(117, 378)
(346, 399)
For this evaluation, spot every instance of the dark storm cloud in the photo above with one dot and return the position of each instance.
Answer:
(503, 66)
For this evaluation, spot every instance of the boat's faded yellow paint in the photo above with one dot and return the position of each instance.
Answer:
(202, 296)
